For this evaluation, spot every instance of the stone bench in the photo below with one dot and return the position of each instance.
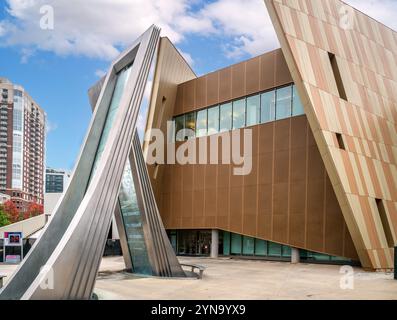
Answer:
(194, 267)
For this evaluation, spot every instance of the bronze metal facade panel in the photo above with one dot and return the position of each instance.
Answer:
(252, 75)
(238, 80)
(261, 73)
(171, 70)
(329, 59)
(287, 198)
(212, 89)
(268, 70)
(225, 84)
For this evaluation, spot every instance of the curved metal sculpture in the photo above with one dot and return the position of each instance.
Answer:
(64, 261)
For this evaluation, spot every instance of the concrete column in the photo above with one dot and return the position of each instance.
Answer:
(214, 243)
(295, 257)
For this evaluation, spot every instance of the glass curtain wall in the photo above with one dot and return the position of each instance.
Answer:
(277, 104)
(239, 245)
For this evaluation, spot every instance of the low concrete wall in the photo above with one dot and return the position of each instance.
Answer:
(27, 227)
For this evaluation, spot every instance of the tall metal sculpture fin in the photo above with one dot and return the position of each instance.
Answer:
(161, 254)
(144, 241)
(64, 261)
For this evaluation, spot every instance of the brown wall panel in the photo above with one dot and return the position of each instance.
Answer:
(287, 198)
(282, 72)
(280, 228)
(236, 209)
(275, 202)
(297, 224)
(268, 71)
(248, 77)
(179, 101)
(225, 84)
(212, 88)
(222, 206)
(198, 208)
(201, 92)
(238, 80)
(252, 76)
(189, 95)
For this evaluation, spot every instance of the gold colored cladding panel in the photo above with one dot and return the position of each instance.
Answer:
(366, 55)
(261, 73)
(288, 197)
(171, 70)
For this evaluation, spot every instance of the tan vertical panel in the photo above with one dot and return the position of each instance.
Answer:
(179, 101)
(212, 88)
(201, 92)
(189, 95)
(252, 76)
(238, 80)
(225, 85)
(283, 76)
(210, 195)
(365, 65)
(267, 71)
(167, 100)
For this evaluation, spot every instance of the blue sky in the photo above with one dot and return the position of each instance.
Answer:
(58, 66)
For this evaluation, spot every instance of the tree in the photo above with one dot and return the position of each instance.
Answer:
(3, 217)
(34, 210)
(11, 211)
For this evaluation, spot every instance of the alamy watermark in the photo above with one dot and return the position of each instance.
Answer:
(346, 14)
(47, 20)
(231, 147)
(46, 279)
(347, 280)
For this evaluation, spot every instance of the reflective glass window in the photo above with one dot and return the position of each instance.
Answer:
(286, 251)
(226, 243)
(190, 125)
(248, 246)
(268, 105)
(260, 247)
(201, 123)
(225, 117)
(283, 103)
(179, 126)
(213, 120)
(274, 249)
(297, 107)
(239, 114)
(236, 244)
(253, 110)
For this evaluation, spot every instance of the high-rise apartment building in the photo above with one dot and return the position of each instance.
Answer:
(22, 146)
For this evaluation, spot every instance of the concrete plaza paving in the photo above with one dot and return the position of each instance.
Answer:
(246, 279)
(241, 279)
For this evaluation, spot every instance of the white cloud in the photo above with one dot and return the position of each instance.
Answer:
(50, 126)
(100, 73)
(94, 28)
(381, 10)
(101, 28)
(26, 53)
(247, 22)
(2, 29)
